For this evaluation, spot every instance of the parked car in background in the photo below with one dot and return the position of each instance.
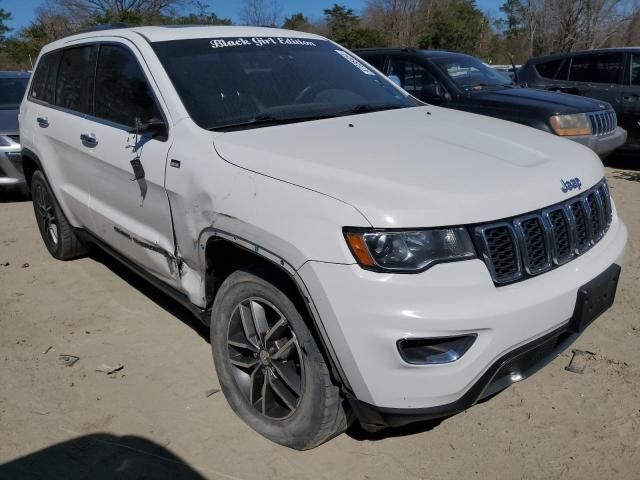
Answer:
(609, 75)
(356, 253)
(12, 88)
(463, 82)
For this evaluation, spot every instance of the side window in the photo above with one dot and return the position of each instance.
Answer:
(375, 60)
(548, 69)
(122, 91)
(74, 85)
(44, 79)
(597, 68)
(414, 78)
(635, 69)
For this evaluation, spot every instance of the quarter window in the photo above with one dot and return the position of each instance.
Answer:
(597, 68)
(548, 69)
(122, 91)
(74, 85)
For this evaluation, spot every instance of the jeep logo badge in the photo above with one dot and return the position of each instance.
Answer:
(572, 184)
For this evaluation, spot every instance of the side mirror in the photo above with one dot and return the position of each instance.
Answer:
(153, 128)
(434, 93)
(395, 79)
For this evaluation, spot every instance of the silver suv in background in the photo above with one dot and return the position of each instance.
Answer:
(12, 88)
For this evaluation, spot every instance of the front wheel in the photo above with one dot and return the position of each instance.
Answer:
(269, 366)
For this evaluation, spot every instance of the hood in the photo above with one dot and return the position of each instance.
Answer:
(552, 103)
(418, 167)
(9, 122)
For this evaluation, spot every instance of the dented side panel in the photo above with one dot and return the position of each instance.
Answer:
(210, 197)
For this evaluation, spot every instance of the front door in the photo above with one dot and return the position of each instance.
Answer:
(129, 206)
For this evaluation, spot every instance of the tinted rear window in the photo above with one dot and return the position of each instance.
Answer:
(597, 68)
(548, 69)
(44, 80)
(74, 86)
(122, 91)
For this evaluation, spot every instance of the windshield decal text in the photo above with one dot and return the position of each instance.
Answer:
(355, 62)
(258, 42)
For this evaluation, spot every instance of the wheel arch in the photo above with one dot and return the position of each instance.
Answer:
(224, 253)
(30, 163)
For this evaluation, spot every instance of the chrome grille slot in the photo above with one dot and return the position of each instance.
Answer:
(603, 123)
(537, 242)
(536, 248)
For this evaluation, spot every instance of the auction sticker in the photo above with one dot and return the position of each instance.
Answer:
(259, 42)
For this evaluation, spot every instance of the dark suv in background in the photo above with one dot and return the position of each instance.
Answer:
(463, 82)
(610, 75)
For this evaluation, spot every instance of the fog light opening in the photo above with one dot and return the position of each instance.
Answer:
(434, 351)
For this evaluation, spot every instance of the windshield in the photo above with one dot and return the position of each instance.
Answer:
(470, 73)
(11, 92)
(231, 83)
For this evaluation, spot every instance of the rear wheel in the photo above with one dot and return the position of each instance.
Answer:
(269, 366)
(56, 232)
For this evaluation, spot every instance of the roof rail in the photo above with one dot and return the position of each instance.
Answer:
(101, 27)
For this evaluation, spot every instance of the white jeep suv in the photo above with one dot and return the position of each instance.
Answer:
(357, 254)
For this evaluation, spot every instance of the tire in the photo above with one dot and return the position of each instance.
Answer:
(283, 364)
(56, 232)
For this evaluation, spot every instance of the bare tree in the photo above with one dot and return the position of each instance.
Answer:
(115, 10)
(260, 12)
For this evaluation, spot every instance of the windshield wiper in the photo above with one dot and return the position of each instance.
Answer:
(266, 119)
(258, 120)
(366, 108)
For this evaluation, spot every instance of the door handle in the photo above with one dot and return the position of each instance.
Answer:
(631, 98)
(43, 122)
(89, 139)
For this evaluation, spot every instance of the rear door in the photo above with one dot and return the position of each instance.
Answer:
(63, 99)
(630, 112)
(598, 75)
(129, 206)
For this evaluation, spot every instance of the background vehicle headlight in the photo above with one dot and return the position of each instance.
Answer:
(569, 125)
(4, 142)
(409, 251)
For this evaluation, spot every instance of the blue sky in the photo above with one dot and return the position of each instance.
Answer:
(22, 10)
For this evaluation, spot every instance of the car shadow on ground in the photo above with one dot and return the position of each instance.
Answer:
(100, 456)
(11, 195)
(356, 432)
(152, 293)
(628, 164)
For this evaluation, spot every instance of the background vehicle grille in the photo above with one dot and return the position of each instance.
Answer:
(603, 123)
(534, 243)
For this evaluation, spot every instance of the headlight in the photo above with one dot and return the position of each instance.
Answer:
(4, 142)
(409, 251)
(570, 125)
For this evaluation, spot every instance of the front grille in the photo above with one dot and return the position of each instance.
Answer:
(537, 242)
(603, 123)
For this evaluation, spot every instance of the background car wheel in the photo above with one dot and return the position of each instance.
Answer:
(57, 233)
(269, 366)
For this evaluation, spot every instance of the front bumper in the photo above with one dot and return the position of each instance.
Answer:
(605, 144)
(11, 166)
(365, 313)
